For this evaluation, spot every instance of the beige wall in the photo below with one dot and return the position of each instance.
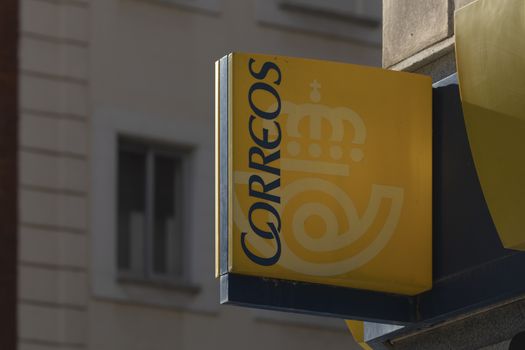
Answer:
(92, 69)
(54, 107)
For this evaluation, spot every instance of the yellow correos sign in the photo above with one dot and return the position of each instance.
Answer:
(329, 173)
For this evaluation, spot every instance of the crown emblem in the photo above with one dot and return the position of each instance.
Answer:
(307, 150)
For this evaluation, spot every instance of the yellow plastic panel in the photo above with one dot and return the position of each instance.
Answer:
(490, 50)
(331, 173)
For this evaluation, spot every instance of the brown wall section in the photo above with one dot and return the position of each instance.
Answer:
(8, 171)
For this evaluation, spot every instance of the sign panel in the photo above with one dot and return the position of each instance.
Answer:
(324, 173)
(280, 122)
(491, 68)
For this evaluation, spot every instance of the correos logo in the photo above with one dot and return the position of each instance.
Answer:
(263, 154)
(300, 161)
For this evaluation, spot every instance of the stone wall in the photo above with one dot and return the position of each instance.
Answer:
(418, 36)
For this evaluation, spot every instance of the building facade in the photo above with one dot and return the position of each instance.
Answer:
(115, 158)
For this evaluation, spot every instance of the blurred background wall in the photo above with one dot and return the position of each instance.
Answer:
(116, 174)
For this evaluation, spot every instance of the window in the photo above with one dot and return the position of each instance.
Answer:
(122, 266)
(150, 201)
(355, 20)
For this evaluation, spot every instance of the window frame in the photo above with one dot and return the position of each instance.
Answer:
(273, 13)
(197, 293)
(181, 154)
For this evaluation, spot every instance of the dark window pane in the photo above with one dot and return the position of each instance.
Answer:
(131, 210)
(166, 230)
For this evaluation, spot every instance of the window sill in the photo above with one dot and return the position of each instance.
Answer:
(209, 7)
(173, 295)
(270, 12)
(178, 286)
